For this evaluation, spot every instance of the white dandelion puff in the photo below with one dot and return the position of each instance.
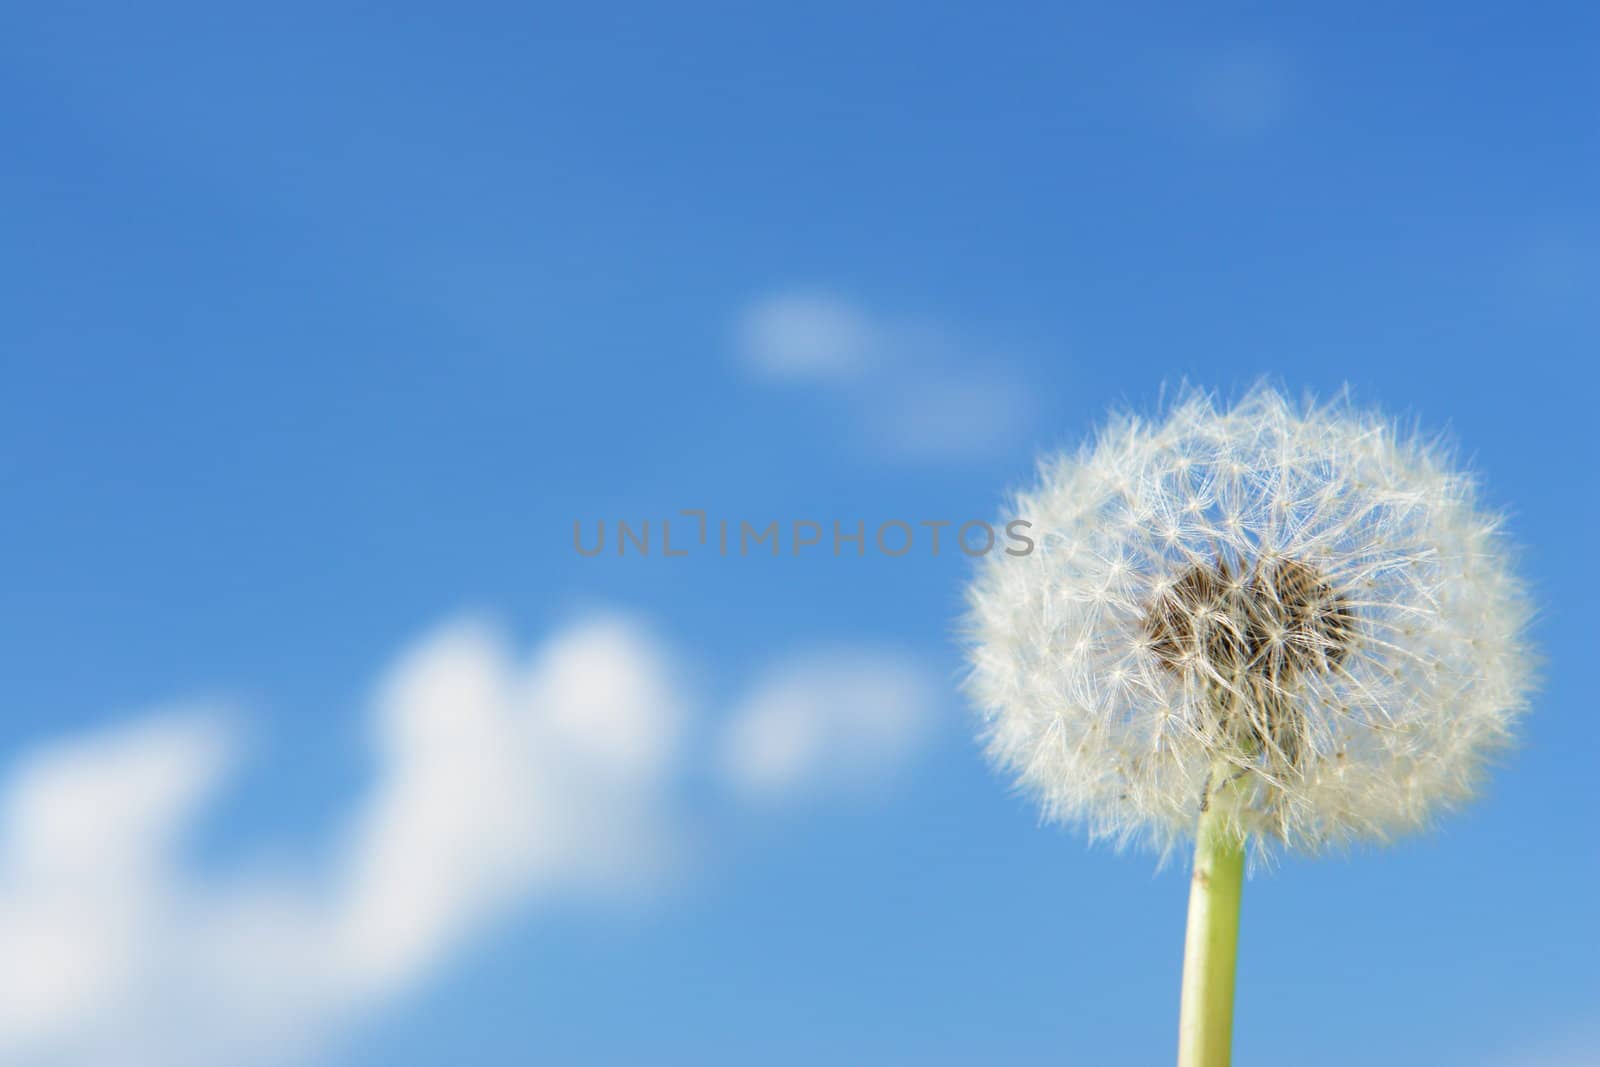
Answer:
(1296, 615)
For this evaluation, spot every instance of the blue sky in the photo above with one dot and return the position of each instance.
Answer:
(319, 329)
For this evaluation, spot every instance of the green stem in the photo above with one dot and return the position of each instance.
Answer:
(1211, 947)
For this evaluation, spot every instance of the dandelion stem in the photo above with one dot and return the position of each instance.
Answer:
(1211, 946)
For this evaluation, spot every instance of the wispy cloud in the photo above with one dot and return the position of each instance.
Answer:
(1575, 1045)
(831, 720)
(1241, 90)
(502, 780)
(810, 336)
(917, 389)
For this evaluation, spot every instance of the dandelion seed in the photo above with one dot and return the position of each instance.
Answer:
(1262, 626)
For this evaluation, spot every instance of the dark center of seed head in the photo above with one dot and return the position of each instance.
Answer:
(1276, 623)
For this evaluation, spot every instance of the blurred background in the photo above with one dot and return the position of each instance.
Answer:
(322, 326)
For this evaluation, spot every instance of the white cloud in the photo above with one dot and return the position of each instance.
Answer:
(808, 336)
(500, 780)
(829, 720)
(89, 828)
(917, 389)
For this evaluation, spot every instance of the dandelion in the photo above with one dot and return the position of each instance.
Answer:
(1266, 626)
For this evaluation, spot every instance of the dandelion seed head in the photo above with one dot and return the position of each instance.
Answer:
(1297, 612)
